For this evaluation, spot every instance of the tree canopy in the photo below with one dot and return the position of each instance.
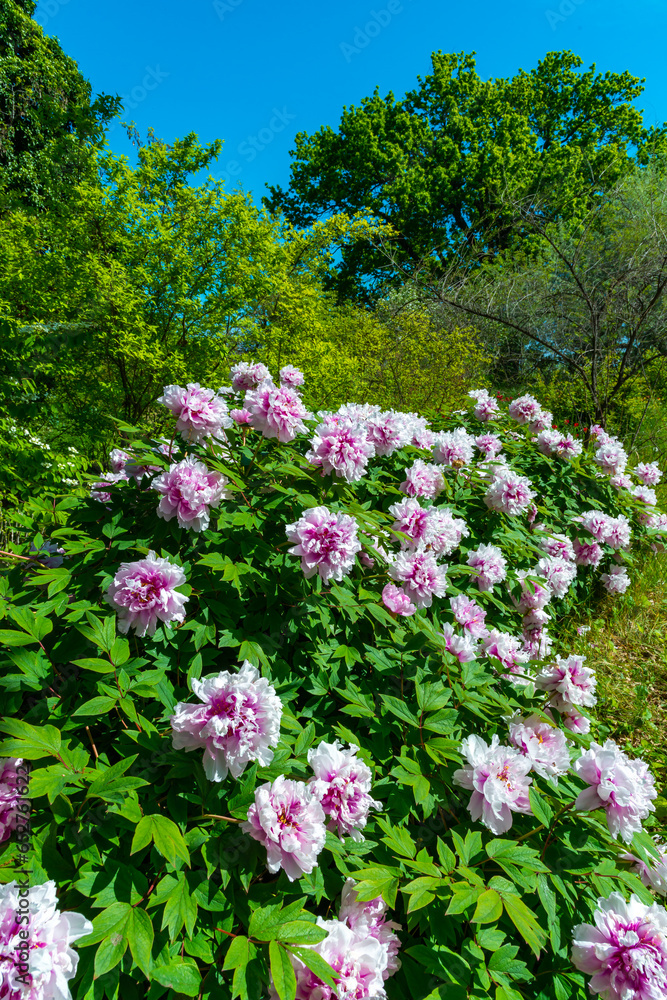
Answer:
(440, 165)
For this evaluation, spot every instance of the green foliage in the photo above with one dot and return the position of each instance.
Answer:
(49, 123)
(442, 165)
(139, 840)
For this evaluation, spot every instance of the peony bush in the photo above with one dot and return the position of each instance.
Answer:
(298, 720)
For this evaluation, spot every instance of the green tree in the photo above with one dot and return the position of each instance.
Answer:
(49, 123)
(441, 165)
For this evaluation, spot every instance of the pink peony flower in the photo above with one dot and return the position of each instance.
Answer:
(342, 784)
(648, 473)
(469, 614)
(489, 564)
(368, 920)
(454, 448)
(144, 592)
(546, 441)
(568, 682)
(587, 553)
(559, 573)
(326, 542)
(625, 951)
(434, 527)
(507, 649)
(360, 962)
(463, 647)
(240, 416)
(485, 405)
(645, 495)
(654, 874)
(423, 480)
(541, 422)
(117, 459)
(565, 446)
(288, 820)
(489, 444)
(573, 720)
(387, 431)
(397, 601)
(102, 491)
(534, 595)
(291, 376)
(557, 545)
(420, 575)
(621, 481)
(498, 778)
(595, 522)
(200, 412)
(509, 493)
(246, 376)
(544, 745)
(188, 490)
(524, 409)
(618, 532)
(36, 957)
(611, 457)
(616, 581)
(9, 795)
(341, 448)
(623, 787)
(599, 434)
(276, 411)
(238, 721)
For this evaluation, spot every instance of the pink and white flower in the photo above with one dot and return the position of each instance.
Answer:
(287, 818)
(326, 542)
(543, 744)
(240, 416)
(568, 682)
(102, 490)
(648, 473)
(341, 448)
(595, 522)
(420, 575)
(200, 413)
(587, 553)
(509, 651)
(498, 778)
(623, 787)
(387, 431)
(423, 480)
(559, 573)
(246, 376)
(463, 647)
(625, 950)
(342, 784)
(188, 490)
(616, 581)
(535, 594)
(469, 614)
(37, 960)
(359, 961)
(291, 376)
(454, 448)
(611, 457)
(485, 404)
(621, 481)
(490, 445)
(566, 447)
(541, 422)
(524, 409)
(645, 495)
(509, 493)
(489, 564)
(117, 459)
(144, 592)
(558, 545)
(619, 532)
(368, 920)
(276, 411)
(433, 527)
(397, 600)
(238, 721)
(653, 874)
(9, 795)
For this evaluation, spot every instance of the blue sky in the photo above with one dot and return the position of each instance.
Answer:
(255, 73)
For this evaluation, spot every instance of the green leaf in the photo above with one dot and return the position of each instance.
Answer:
(541, 809)
(489, 908)
(282, 972)
(300, 932)
(179, 909)
(182, 976)
(99, 666)
(166, 835)
(399, 709)
(237, 954)
(10, 637)
(32, 742)
(314, 961)
(96, 706)
(526, 923)
(140, 935)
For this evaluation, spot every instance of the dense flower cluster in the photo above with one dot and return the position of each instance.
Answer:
(326, 542)
(199, 412)
(37, 960)
(238, 721)
(342, 784)
(188, 490)
(276, 411)
(289, 821)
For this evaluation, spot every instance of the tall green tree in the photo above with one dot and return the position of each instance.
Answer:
(441, 164)
(50, 124)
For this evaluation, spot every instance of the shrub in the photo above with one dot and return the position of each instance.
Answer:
(274, 735)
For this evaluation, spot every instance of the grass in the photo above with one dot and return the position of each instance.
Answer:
(627, 647)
